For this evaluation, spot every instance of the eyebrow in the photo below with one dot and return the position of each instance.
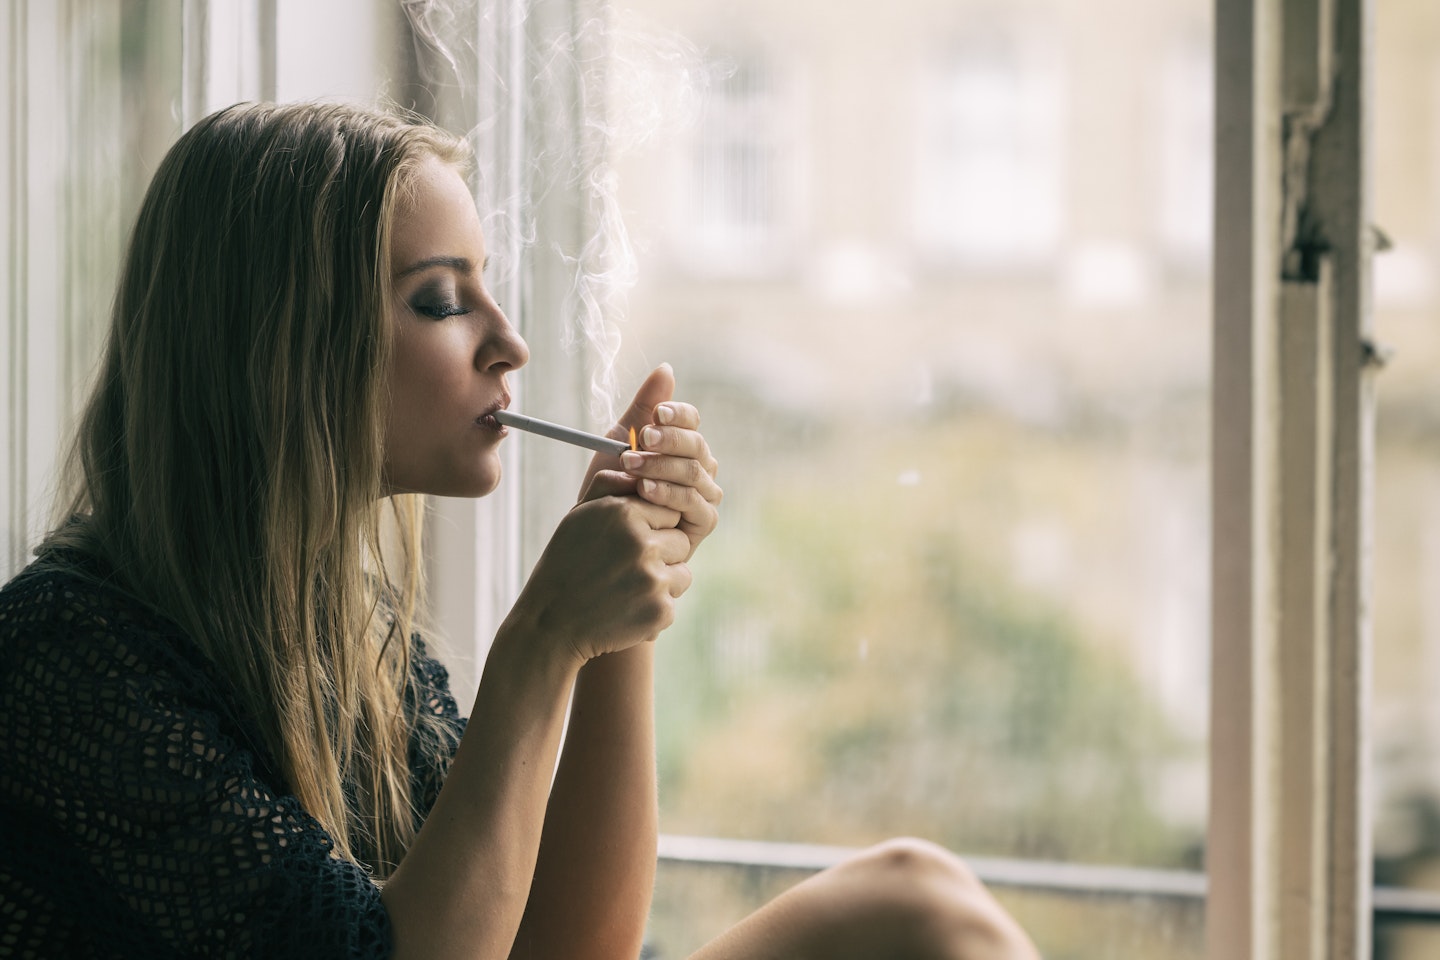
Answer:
(458, 264)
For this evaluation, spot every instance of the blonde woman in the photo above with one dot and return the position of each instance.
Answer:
(220, 731)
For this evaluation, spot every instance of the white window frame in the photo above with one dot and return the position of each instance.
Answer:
(1289, 833)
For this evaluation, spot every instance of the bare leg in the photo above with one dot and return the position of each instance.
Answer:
(902, 900)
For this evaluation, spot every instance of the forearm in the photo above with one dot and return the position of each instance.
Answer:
(597, 857)
(462, 887)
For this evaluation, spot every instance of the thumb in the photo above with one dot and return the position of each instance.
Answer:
(658, 387)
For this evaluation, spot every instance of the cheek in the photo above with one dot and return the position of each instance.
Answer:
(425, 373)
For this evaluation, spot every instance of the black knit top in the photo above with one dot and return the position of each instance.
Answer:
(139, 816)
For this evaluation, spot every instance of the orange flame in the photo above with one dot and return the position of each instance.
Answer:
(633, 444)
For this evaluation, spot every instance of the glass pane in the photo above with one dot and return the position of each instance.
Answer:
(1406, 941)
(122, 114)
(939, 283)
(1407, 483)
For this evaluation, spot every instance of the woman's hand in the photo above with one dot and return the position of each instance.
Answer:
(674, 467)
(609, 577)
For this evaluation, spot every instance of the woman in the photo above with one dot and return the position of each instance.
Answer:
(220, 733)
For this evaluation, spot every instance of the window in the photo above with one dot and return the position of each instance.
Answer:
(738, 208)
(92, 100)
(1186, 120)
(960, 587)
(990, 178)
(971, 551)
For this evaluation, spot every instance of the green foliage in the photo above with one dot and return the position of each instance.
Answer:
(854, 662)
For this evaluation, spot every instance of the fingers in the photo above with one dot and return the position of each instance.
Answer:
(673, 469)
(609, 483)
(671, 546)
(654, 392)
(678, 579)
(676, 455)
(656, 516)
(677, 470)
(657, 388)
(698, 516)
(680, 471)
(679, 505)
(676, 441)
(667, 546)
(674, 413)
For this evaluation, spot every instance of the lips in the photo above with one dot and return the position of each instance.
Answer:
(487, 419)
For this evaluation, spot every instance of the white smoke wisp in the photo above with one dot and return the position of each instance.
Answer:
(605, 270)
(457, 60)
(438, 26)
(630, 84)
(647, 86)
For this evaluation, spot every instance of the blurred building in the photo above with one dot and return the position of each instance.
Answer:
(1007, 206)
(986, 206)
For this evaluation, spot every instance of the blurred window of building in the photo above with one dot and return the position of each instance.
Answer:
(737, 208)
(990, 189)
(1186, 124)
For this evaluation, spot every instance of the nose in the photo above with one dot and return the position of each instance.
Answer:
(504, 349)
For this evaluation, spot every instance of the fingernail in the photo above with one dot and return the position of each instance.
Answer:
(648, 487)
(631, 460)
(664, 413)
(650, 436)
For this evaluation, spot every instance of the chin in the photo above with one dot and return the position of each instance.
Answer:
(485, 488)
(476, 485)
(461, 486)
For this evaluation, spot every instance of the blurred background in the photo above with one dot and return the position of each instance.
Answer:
(939, 281)
(938, 276)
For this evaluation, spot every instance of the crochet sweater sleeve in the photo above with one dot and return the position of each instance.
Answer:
(135, 818)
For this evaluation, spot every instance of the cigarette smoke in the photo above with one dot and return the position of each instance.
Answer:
(616, 84)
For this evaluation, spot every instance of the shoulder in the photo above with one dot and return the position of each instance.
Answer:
(66, 622)
(82, 661)
(74, 595)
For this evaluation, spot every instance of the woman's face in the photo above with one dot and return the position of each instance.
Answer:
(453, 346)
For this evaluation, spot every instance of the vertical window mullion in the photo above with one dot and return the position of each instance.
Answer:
(1289, 850)
(228, 54)
(473, 549)
(1344, 208)
(37, 60)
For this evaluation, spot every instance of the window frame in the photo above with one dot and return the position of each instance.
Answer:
(1289, 843)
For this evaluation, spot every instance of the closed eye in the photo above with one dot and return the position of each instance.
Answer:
(439, 309)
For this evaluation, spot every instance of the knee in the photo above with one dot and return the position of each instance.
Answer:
(918, 864)
(934, 896)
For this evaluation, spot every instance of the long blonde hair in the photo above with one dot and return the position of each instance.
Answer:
(228, 463)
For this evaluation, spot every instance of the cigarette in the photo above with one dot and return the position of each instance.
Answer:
(564, 434)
